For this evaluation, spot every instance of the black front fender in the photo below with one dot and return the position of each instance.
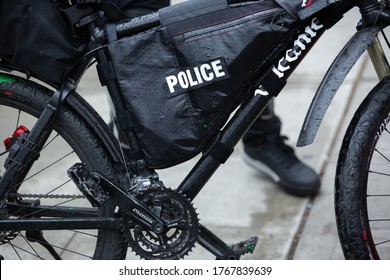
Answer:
(332, 81)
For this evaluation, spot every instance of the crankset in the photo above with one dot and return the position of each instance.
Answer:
(181, 226)
(157, 222)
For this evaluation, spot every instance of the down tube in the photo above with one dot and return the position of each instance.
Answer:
(230, 136)
(252, 108)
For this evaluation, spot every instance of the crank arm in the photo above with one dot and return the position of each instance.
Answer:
(130, 204)
(215, 245)
(220, 249)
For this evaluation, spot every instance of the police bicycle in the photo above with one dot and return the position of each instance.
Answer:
(103, 201)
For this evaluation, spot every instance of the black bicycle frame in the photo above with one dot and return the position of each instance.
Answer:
(265, 88)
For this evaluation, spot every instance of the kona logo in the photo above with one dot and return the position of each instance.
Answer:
(200, 76)
(261, 91)
(306, 3)
(300, 45)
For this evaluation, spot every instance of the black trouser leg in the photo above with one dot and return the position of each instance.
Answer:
(268, 123)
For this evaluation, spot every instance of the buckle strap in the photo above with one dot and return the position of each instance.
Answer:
(303, 9)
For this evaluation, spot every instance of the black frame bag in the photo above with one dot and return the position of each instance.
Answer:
(183, 79)
(35, 39)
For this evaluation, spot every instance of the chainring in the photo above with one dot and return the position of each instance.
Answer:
(181, 226)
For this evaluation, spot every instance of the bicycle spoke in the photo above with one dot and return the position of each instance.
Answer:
(34, 253)
(64, 249)
(14, 247)
(84, 233)
(379, 220)
(379, 173)
(376, 150)
(382, 242)
(47, 167)
(18, 119)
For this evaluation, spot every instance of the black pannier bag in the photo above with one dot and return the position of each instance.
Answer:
(182, 80)
(35, 39)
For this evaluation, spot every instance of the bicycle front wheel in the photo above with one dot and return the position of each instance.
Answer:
(46, 190)
(362, 197)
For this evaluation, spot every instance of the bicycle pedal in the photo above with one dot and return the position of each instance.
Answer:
(87, 184)
(245, 247)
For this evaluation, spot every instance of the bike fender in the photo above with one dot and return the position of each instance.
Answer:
(332, 81)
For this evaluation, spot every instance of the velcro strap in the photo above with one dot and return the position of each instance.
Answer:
(106, 72)
(83, 8)
(304, 8)
(314, 8)
(111, 32)
(124, 120)
(75, 13)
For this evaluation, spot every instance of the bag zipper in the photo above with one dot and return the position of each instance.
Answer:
(231, 25)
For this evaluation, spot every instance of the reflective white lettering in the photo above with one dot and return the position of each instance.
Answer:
(198, 75)
(190, 79)
(172, 82)
(261, 91)
(183, 80)
(300, 45)
(218, 69)
(206, 73)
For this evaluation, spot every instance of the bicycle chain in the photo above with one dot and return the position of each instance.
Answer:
(54, 196)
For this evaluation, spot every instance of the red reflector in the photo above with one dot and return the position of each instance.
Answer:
(18, 131)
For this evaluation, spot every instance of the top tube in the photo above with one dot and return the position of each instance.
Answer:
(132, 26)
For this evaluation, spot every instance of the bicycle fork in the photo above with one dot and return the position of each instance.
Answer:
(379, 59)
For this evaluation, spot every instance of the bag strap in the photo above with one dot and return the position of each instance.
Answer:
(189, 9)
(83, 8)
(303, 9)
